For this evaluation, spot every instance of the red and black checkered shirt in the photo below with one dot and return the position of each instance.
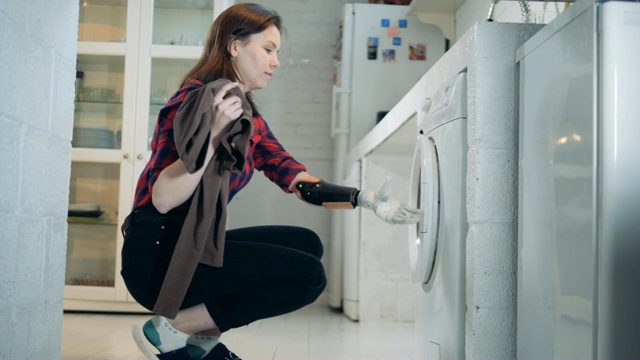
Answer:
(265, 154)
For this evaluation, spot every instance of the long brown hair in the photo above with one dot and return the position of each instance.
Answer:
(238, 22)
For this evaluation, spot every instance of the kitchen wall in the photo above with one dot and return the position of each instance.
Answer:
(36, 116)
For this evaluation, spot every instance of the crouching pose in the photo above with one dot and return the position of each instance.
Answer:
(178, 260)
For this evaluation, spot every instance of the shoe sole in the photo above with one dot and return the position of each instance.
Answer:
(141, 341)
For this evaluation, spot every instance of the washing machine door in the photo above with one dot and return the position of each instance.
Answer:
(424, 194)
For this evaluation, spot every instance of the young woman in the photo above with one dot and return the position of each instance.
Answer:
(252, 273)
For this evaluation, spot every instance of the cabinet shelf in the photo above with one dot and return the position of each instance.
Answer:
(109, 156)
(88, 220)
(112, 109)
(101, 48)
(82, 103)
(181, 4)
(176, 51)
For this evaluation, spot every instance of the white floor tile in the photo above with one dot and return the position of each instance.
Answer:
(313, 333)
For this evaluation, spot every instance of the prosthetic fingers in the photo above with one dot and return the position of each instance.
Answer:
(333, 196)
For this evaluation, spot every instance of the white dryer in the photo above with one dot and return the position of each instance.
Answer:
(437, 242)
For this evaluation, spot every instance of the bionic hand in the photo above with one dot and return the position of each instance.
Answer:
(387, 209)
(334, 196)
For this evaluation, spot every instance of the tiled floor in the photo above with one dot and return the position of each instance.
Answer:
(315, 332)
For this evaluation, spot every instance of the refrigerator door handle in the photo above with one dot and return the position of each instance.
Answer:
(334, 109)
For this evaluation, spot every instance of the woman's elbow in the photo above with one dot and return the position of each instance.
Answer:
(160, 204)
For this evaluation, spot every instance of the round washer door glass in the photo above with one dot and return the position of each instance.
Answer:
(424, 194)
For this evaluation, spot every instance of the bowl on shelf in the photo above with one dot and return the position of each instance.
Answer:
(99, 94)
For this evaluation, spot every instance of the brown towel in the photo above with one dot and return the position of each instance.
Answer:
(202, 236)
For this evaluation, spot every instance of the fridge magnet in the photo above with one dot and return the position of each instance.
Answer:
(372, 48)
(417, 51)
(385, 23)
(397, 41)
(402, 23)
(388, 55)
(393, 31)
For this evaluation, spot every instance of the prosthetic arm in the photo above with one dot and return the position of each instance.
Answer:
(333, 197)
(329, 195)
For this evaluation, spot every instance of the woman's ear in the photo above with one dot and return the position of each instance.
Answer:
(233, 47)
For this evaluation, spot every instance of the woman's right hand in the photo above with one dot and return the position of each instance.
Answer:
(175, 184)
(227, 110)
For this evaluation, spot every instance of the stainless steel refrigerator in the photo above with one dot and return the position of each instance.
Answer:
(579, 185)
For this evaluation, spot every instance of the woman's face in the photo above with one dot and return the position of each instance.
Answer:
(257, 58)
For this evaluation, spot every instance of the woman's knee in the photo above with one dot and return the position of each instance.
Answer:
(317, 281)
(313, 241)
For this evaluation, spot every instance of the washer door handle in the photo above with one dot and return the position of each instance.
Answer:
(424, 194)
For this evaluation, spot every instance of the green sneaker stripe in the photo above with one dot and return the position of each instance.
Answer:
(151, 334)
(195, 352)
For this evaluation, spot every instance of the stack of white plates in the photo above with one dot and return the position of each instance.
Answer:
(85, 210)
(85, 136)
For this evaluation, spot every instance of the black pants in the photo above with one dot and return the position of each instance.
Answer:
(268, 270)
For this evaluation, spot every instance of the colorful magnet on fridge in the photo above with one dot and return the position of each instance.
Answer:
(393, 31)
(372, 48)
(385, 23)
(402, 23)
(417, 51)
(397, 41)
(388, 55)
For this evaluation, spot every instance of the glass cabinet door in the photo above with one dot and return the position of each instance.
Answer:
(93, 218)
(166, 78)
(98, 111)
(107, 51)
(103, 20)
(183, 23)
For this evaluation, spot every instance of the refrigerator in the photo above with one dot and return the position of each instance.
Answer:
(579, 228)
(381, 52)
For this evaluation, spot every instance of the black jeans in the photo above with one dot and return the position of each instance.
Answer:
(268, 270)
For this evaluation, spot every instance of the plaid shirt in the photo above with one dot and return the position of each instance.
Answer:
(265, 154)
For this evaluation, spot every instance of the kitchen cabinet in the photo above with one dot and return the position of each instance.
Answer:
(435, 6)
(132, 55)
(438, 12)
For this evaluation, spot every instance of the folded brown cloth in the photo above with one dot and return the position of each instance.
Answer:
(201, 239)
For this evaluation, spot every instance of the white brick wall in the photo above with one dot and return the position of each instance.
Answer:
(297, 103)
(36, 116)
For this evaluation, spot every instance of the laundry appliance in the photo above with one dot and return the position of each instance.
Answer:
(464, 178)
(579, 210)
(438, 188)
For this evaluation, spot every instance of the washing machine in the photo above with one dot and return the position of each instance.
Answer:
(437, 242)
(463, 252)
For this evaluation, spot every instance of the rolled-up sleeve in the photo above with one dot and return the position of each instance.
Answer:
(272, 159)
(165, 150)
